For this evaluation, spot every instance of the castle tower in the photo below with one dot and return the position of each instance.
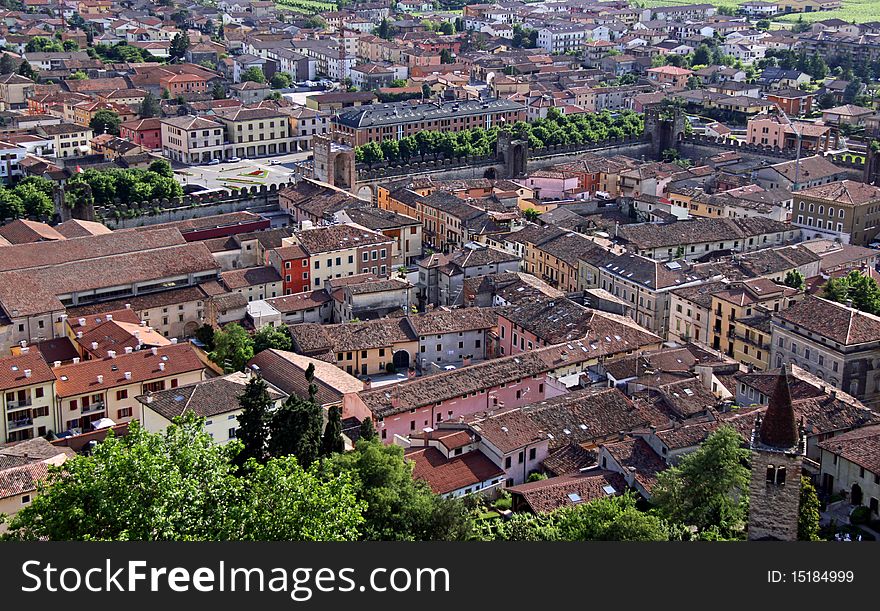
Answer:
(778, 445)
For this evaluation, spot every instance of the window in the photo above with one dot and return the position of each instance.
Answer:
(125, 412)
(232, 434)
(38, 393)
(121, 394)
(532, 453)
(521, 457)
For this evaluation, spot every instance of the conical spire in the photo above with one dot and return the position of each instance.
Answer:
(778, 427)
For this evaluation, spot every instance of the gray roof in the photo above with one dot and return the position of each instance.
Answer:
(403, 112)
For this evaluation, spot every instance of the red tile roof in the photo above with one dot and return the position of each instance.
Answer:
(12, 370)
(446, 475)
(569, 490)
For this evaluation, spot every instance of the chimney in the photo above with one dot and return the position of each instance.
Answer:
(395, 401)
(128, 350)
(161, 366)
(94, 345)
(127, 306)
(100, 379)
(154, 351)
(56, 363)
(411, 373)
(466, 360)
(75, 360)
(27, 373)
(137, 334)
(427, 431)
(127, 375)
(149, 397)
(23, 343)
(368, 383)
(111, 354)
(620, 435)
(849, 303)
(109, 317)
(79, 334)
(26, 350)
(82, 322)
(143, 324)
(173, 340)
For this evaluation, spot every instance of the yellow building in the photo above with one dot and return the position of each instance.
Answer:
(27, 397)
(740, 300)
(256, 132)
(68, 139)
(751, 342)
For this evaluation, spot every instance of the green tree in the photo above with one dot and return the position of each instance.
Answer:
(233, 348)
(397, 83)
(105, 122)
(385, 29)
(70, 45)
(41, 44)
(162, 168)
(253, 421)
(253, 74)
(218, 92)
(315, 22)
(371, 153)
(367, 430)
(398, 506)
(7, 66)
(808, 513)
(446, 57)
(180, 485)
(271, 337)
(79, 75)
(794, 279)
(447, 28)
(179, 45)
(331, 442)
(25, 69)
(205, 334)
(709, 487)
(11, 206)
(531, 214)
(763, 25)
(36, 202)
(295, 429)
(426, 91)
(856, 287)
(281, 80)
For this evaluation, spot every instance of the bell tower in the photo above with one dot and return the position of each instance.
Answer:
(778, 445)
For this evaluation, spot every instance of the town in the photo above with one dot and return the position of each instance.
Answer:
(423, 270)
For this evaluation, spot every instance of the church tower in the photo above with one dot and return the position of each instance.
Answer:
(778, 445)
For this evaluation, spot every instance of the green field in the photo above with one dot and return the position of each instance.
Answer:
(852, 10)
(306, 7)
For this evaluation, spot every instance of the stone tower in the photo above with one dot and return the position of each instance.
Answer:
(872, 166)
(514, 154)
(664, 127)
(334, 162)
(778, 445)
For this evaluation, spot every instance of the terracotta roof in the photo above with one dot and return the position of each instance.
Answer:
(22, 479)
(75, 228)
(299, 301)
(638, 455)
(351, 336)
(569, 490)
(80, 378)
(13, 368)
(338, 237)
(286, 371)
(861, 447)
(249, 276)
(446, 475)
(835, 321)
(440, 322)
(568, 459)
(844, 192)
(23, 231)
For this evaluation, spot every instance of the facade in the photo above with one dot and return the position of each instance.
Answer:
(68, 140)
(255, 132)
(848, 464)
(344, 250)
(845, 210)
(193, 140)
(27, 397)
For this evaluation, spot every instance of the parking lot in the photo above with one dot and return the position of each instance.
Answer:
(243, 174)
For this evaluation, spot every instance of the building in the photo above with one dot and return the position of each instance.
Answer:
(847, 210)
(834, 342)
(216, 400)
(404, 230)
(27, 397)
(344, 250)
(800, 174)
(23, 466)
(849, 464)
(776, 131)
(255, 132)
(193, 140)
(292, 263)
(671, 76)
(377, 122)
(777, 445)
(68, 140)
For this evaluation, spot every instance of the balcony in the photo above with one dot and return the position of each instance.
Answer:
(20, 423)
(12, 405)
(753, 342)
(94, 407)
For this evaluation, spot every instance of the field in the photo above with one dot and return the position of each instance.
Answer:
(306, 7)
(852, 10)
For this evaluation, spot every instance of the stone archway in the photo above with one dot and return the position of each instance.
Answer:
(190, 328)
(367, 192)
(342, 172)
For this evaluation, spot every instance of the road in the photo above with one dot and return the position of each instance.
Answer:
(239, 174)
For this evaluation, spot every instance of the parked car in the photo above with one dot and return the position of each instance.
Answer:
(449, 367)
(233, 160)
(214, 162)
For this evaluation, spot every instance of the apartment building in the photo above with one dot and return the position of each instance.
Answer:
(690, 310)
(193, 139)
(255, 132)
(847, 210)
(292, 263)
(836, 343)
(108, 387)
(377, 122)
(404, 230)
(68, 140)
(27, 397)
(344, 250)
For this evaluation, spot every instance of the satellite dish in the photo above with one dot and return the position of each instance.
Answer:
(490, 77)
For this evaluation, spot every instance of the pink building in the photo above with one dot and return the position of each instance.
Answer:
(555, 184)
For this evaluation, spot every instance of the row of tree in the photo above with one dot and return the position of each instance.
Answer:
(106, 187)
(556, 129)
(857, 289)
(232, 347)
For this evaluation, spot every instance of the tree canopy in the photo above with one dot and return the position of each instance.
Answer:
(180, 485)
(856, 287)
(253, 74)
(233, 347)
(105, 122)
(31, 197)
(127, 185)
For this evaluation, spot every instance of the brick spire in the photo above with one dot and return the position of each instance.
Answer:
(779, 427)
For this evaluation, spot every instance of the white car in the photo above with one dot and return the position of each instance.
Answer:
(233, 160)
(449, 368)
(214, 162)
